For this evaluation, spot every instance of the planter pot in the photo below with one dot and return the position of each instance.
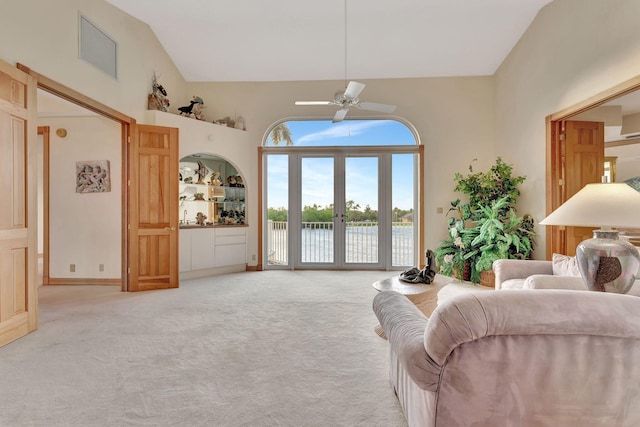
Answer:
(488, 278)
(466, 272)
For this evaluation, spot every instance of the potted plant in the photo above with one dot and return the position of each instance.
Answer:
(501, 235)
(454, 254)
(487, 227)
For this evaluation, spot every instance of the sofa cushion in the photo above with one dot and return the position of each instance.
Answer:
(513, 284)
(564, 265)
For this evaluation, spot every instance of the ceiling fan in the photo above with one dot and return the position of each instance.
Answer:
(349, 98)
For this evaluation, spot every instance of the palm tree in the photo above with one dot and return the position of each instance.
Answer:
(281, 133)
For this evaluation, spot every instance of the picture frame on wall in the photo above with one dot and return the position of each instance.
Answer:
(93, 176)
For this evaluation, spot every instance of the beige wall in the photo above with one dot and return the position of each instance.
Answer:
(43, 35)
(573, 50)
(452, 116)
(84, 228)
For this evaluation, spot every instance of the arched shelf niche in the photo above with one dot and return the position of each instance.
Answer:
(210, 186)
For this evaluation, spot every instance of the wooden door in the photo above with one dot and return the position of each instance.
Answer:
(153, 208)
(18, 217)
(581, 163)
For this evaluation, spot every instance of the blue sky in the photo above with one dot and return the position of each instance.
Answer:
(361, 176)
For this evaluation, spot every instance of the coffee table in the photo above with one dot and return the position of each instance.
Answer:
(424, 296)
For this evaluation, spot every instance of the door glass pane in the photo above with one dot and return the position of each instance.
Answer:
(402, 191)
(316, 232)
(361, 205)
(277, 205)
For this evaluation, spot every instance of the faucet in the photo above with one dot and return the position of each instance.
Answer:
(184, 217)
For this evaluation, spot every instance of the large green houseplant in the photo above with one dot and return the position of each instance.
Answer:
(485, 228)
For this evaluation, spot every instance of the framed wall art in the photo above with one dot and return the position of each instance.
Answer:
(93, 176)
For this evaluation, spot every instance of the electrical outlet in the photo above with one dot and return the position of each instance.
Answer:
(72, 268)
(253, 257)
(439, 210)
(101, 267)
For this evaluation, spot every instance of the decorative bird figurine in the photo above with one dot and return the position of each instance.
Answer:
(186, 110)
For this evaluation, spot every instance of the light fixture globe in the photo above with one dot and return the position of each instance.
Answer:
(606, 263)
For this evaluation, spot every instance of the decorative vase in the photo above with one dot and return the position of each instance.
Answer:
(606, 263)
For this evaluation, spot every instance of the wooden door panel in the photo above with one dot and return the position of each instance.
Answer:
(13, 262)
(12, 172)
(154, 201)
(18, 238)
(154, 208)
(583, 164)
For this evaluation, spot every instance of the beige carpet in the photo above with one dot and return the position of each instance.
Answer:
(276, 348)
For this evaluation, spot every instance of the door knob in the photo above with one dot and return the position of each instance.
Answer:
(170, 228)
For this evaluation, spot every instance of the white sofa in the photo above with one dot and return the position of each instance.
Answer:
(518, 358)
(560, 273)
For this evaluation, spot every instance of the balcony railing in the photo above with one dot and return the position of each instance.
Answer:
(361, 243)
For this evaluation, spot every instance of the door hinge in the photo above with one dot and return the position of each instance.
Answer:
(128, 139)
(128, 270)
(561, 182)
(562, 136)
(128, 226)
(129, 183)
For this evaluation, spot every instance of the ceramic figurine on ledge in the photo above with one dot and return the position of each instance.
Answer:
(200, 219)
(202, 171)
(215, 179)
(157, 99)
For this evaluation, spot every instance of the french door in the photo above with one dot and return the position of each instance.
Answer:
(341, 210)
(339, 225)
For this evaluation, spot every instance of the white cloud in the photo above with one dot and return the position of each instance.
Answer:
(342, 130)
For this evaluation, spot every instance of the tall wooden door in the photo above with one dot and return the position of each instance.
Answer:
(153, 208)
(583, 163)
(18, 217)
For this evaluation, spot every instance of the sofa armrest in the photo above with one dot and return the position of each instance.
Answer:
(506, 269)
(404, 325)
(545, 281)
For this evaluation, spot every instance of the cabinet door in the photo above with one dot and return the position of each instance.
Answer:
(231, 247)
(202, 249)
(184, 245)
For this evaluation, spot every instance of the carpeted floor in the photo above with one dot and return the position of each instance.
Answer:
(274, 348)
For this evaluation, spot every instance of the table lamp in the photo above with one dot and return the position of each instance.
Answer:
(606, 263)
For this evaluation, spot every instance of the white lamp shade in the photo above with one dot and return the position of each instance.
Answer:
(599, 205)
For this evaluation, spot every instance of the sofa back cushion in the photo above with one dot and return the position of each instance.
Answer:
(549, 357)
(564, 265)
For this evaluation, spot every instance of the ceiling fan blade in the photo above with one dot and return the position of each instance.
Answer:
(353, 90)
(340, 115)
(314, 102)
(374, 106)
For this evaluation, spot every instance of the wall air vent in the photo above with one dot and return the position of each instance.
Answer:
(97, 48)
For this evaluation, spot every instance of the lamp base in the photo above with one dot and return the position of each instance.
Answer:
(606, 263)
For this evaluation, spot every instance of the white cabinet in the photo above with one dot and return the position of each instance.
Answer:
(216, 248)
(202, 249)
(184, 247)
(196, 249)
(205, 250)
(230, 246)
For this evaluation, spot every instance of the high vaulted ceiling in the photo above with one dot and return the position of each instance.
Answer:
(289, 40)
